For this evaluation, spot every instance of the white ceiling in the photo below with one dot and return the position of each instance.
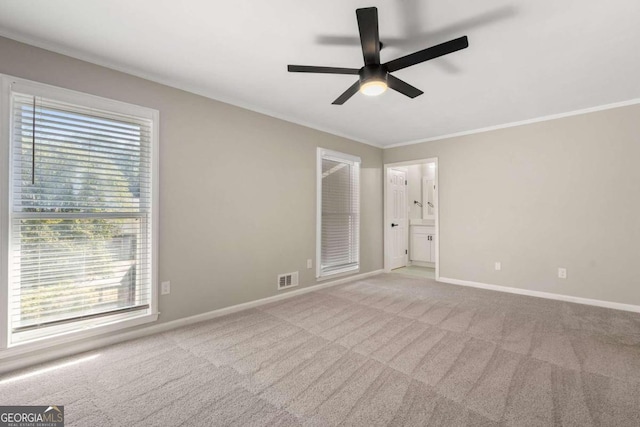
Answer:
(526, 59)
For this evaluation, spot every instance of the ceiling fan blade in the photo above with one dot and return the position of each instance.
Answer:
(347, 94)
(427, 54)
(323, 70)
(369, 37)
(403, 87)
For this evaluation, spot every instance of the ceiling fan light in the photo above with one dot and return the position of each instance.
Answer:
(373, 87)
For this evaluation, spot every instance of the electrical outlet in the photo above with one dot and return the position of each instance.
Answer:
(309, 263)
(498, 266)
(562, 273)
(165, 288)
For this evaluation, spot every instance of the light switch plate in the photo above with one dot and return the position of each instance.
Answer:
(165, 288)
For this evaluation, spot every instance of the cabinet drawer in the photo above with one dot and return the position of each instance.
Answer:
(423, 229)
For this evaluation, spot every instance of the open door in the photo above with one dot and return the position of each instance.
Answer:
(397, 217)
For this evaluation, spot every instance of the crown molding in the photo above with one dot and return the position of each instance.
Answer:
(174, 83)
(520, 123)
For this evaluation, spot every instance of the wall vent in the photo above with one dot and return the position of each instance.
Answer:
(288, 280)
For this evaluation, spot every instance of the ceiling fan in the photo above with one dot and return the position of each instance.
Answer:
(374, 77)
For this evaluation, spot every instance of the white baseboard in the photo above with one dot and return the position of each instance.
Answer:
(26, 360)
(547, 295)
(251, 304)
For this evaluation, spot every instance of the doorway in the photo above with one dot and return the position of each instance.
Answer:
(411, 218)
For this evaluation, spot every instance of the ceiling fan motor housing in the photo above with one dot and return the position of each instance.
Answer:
(371, 73)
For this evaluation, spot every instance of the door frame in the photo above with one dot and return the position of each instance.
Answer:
(386, 236)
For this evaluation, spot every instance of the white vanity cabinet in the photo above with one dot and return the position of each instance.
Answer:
(422, 247)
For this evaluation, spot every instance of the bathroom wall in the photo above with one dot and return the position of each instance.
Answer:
(414, 190)
(415, 174)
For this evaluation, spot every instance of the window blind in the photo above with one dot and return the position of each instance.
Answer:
(340, 213)
(80, 220)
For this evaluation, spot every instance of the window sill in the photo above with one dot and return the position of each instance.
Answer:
(338, 274)
(73, 336)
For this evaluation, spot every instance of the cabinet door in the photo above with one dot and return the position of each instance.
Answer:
(420, 247)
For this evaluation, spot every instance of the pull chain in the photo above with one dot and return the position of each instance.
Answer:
(33, 144)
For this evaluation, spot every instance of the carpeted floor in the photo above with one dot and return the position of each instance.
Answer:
(388, 350)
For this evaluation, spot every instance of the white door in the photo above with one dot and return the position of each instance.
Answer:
(397, 210)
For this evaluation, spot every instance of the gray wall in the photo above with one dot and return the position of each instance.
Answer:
(237, 188)
(560, 193)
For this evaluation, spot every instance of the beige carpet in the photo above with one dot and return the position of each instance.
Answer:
(389, 350)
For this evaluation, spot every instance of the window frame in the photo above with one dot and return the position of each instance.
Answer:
(87, 328)
(321, 153)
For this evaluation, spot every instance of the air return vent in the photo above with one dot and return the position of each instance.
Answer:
(287, 280)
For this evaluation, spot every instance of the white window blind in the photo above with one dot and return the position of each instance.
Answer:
(339, 200)
(80, 217)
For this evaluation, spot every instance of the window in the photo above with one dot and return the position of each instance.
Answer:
(79, 205)
(338, 233)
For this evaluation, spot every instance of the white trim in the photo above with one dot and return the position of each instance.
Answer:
(216, 97)
(109, 106)
(385, 234)
(68, 338)
(155, 210)
(318, 211)
(395, 165)
(546, 295)
(520, 123)
(71, 349)
(174, 83)
(334, 276)
(338, 155)
(323, 153)
(9, 85)
(5, 167)
(436, 174)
